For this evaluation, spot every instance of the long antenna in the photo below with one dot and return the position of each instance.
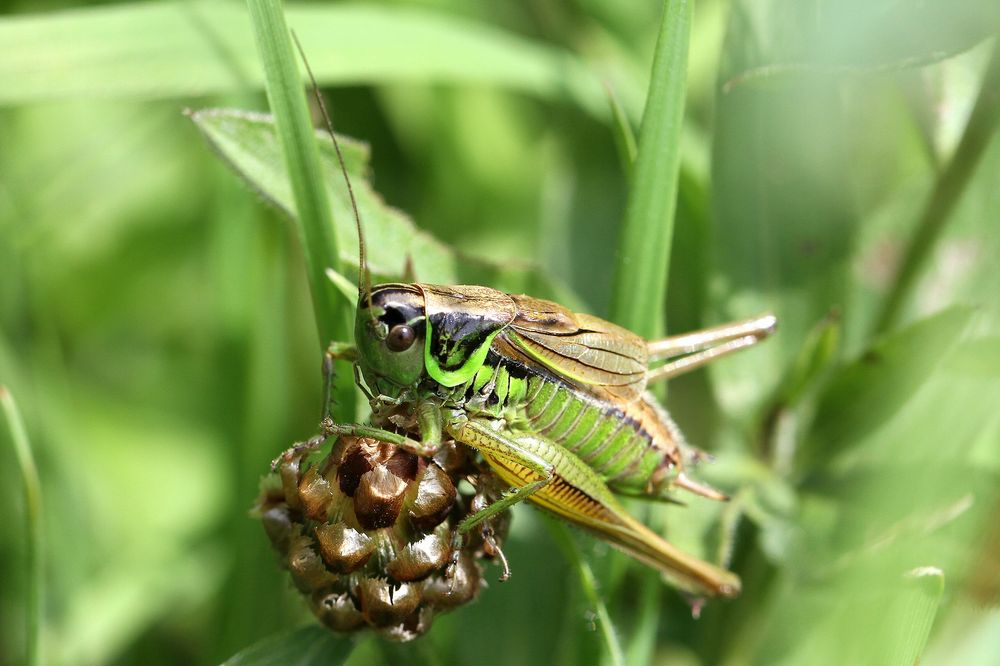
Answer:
(364, 277)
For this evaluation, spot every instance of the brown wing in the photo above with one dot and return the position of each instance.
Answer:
(591, 354)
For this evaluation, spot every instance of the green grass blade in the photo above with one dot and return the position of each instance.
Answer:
(947, 191)
(204, 48)
(18, 434)
(815, 357)
(913, 615)
(624, 136)
(866, 393)
(640, 284)
(298, 143)
(642, 643)
(588, 583)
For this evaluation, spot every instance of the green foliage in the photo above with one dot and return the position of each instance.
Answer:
(13, 425)
(205, 48)
(300, 157)
(648, 226)
(157, 330)
(858, 35)
(302, 647)
(864, 394)
(248, 143)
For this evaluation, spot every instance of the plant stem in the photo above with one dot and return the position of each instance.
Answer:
(643, 641)
(298, 143)
(947, 191)
(640, 283)
(33, 516)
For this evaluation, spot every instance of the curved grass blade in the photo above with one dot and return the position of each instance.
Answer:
(947, 191)
(833, 37)
(34, 541)
(206, 48)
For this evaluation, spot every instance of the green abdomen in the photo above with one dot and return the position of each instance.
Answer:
(614, 445)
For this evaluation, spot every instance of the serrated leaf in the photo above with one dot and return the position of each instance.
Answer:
(308, 646)
(248, 143)
(867, 392)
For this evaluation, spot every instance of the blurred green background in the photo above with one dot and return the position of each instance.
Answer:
(156, 331)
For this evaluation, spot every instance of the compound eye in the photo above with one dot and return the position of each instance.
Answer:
(400, 338)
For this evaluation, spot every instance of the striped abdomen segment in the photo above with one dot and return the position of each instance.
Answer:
(632, 446)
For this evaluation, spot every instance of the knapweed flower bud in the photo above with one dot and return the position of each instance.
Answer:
(369, 533)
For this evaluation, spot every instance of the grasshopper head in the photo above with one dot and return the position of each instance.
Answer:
(389, 329)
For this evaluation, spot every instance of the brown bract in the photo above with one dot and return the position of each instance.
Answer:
(367, 533)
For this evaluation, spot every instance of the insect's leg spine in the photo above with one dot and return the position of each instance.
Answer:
(329, 376)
